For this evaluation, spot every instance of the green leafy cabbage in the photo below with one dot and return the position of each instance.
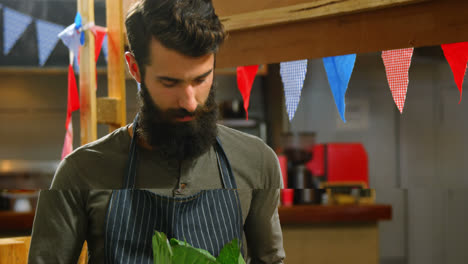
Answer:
(175, 251)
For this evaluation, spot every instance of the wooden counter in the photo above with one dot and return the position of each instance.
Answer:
(307, 214)
(311, 233)
(13, 221)
(332, 234)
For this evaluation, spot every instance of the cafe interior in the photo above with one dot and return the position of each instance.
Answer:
(378, 182)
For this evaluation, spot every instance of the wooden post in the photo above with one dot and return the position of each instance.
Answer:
(115, 65)
(88, 120)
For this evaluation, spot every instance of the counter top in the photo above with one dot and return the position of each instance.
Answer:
(307, 214)
(297, 214)
(13, 221)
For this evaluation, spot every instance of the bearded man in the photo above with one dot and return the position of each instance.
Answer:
(174, 169)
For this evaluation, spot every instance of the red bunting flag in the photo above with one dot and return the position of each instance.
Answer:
(73, 97)
(457, 57)
(99, 34)
(245, 79)
(397, 63)
(72, 105)
(68, 143)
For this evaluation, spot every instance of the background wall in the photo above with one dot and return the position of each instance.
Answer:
(417, 161)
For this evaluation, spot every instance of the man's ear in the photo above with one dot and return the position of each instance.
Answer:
(133, 66)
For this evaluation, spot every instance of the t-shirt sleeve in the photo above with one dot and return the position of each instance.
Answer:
(262, 226)
(60, 222)
(66, 176)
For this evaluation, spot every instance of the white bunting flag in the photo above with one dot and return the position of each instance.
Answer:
(293, 74)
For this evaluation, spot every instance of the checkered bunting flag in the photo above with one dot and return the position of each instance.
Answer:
(397, 63)
(14, 25)
(293, 74)
(339, 70)
(47, 38)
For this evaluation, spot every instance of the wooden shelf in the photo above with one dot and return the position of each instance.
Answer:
(307, 214)
(13, 221)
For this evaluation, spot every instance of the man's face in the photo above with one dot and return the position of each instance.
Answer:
(178, 84)
(178, 112)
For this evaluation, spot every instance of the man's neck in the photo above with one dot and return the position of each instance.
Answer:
(141, 141)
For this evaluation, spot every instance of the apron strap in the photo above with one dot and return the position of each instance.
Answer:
(224, 167)
(130, 176)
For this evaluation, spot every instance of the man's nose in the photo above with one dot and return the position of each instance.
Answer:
(187, 99)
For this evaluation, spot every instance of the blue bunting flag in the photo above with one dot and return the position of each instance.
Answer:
(47, 38)
(14, 25)
(339, 69)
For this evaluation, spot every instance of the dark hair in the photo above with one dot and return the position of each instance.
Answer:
(190, 27)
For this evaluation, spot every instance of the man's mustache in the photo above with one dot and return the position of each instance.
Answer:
(181, 112)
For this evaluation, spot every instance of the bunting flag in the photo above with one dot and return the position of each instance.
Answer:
(99, 34)
(457, 57)
(293, 74)
(73, 97)
(105, 47)
(71, 38)
(397, 64)
(73, 104)
(14, 25)
(47, 38)
(245, 79)
(339, 70)
(68, 142)
(79, 27)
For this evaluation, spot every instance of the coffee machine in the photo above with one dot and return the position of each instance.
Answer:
(297, 150)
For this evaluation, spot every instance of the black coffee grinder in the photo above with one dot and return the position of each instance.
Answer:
(297, 150)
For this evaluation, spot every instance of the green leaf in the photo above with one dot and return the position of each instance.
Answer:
(191, 255)
(185, 253)
(231, 254)
(175, 252)
(162, 251)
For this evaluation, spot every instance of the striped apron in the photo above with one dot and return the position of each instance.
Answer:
(208, 219)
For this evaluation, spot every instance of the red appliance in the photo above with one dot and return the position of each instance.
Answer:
(287, 195)
(339, 163)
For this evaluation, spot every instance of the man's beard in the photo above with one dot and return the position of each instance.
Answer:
(177, 141)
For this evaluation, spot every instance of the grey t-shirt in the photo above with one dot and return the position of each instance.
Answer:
(74, 209)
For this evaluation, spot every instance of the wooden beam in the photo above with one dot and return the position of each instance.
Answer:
(88, 121)
(228, 8)
(108, 111)
(308, 10)
(116, 65)
(262, 70)
(423, 24)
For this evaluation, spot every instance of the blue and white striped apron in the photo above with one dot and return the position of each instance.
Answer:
(208, 219)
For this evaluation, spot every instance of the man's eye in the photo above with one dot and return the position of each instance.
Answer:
(168, 84)
(199, 81)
